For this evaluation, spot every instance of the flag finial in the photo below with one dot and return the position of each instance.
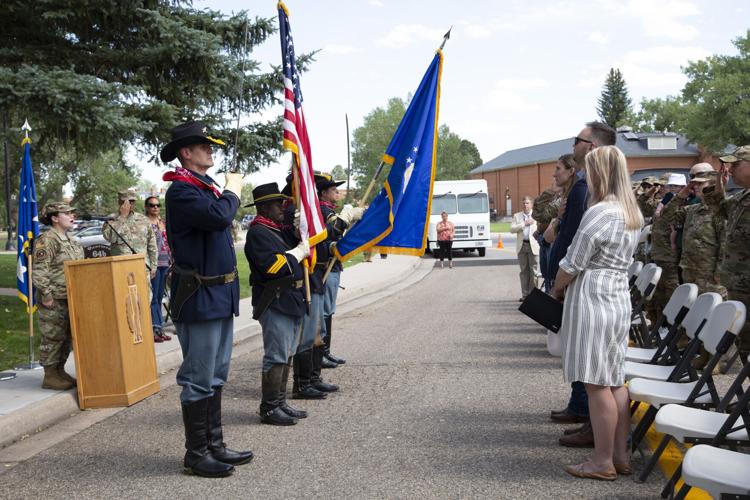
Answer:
(26, 127)
(446, 37)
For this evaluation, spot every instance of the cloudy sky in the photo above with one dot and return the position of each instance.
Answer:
(516, 73)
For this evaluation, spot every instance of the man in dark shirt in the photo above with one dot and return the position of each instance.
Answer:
(205, 293)
(595, 134)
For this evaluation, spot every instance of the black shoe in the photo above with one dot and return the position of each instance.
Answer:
(277, 416)
(303, 372)
(327, 341)
(316, 380)
(270, 407)
(198, 459)
(216, 444)
(308, 392)
(327, 363)
(293, 412)
(334, 359)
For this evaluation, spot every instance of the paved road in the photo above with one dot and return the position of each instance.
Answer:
(445, 394)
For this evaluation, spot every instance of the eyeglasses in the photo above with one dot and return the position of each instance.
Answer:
(153, 205)
(581, 139)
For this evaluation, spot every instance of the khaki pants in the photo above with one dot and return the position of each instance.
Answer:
(528, 263)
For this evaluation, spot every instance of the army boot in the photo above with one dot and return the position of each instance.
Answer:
(316, 380)
(216, 445)
(327, 341)
(303, 369)
(64, 375)
(53, 380)
(198, 459)
(292, 412)
(270, 409)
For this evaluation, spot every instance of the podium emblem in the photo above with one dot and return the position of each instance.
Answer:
(133, 310)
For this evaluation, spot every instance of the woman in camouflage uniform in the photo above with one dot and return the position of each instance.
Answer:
(51, 250)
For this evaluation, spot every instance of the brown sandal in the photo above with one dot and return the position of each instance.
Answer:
(624, 469)
(577, 471)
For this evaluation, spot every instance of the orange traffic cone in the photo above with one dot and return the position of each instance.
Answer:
(499, 242)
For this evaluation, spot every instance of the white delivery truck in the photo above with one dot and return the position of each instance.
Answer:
(468, 207)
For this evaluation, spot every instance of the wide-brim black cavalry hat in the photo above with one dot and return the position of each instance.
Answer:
(265, 193)
(288, 186)
(324, 181)
(185, 135)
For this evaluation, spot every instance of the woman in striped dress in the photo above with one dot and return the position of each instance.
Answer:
(596, 314)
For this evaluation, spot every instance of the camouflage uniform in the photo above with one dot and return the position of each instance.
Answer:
(51, 250)
(663, 256)
(136, 230)
(546, 206)
(703, 236)
(734, 270)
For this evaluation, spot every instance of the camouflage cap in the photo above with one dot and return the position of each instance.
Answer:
(741, 153)
(650, 180)
(56, 207)
(126, 194)
(703, 176)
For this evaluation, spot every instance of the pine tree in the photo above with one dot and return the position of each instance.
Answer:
(614, 105)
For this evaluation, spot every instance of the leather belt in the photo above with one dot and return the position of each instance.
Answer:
(221, 279)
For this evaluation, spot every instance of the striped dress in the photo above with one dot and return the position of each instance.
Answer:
(596, 312)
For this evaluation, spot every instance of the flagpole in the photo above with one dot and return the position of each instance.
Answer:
(30, 297)
(298, 206)
(348, 159)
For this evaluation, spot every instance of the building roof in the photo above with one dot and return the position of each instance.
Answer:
(633, 144)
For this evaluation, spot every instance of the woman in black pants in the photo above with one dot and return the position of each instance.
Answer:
(445, 232)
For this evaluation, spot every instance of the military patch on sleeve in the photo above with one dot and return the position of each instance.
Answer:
(40, 255)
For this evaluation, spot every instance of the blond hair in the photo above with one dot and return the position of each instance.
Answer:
(608, 180)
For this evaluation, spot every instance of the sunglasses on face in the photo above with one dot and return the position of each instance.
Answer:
(153, 205)
(581, 139)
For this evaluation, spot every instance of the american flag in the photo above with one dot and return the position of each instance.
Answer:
(297, 140)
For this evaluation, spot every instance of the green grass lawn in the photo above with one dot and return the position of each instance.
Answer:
(499, 227)
(14, 333)
(7, 270)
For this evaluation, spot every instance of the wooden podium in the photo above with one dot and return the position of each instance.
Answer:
(110, 318)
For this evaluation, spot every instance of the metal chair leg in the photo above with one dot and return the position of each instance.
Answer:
(668, 490)
(654, 459)
(640, 430)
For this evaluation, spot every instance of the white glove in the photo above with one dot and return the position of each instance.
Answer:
(350, 214)
(301, 251)
(234, 183)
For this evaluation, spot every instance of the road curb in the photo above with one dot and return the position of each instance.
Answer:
(34, 418)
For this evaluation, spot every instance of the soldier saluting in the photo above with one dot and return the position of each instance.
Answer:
(205, 293)
(130, 232)
(276, 276)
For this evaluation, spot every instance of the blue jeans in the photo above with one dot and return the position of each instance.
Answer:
(281, 334)
(157, 293)
(579, 400)
(544, 249)
(329, 301)
(206, 352)
(311, 322)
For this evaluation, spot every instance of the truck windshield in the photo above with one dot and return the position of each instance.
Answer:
(473, 203)
(443, 203)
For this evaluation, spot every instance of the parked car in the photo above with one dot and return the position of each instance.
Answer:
(91, 236)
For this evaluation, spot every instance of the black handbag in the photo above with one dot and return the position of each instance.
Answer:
(544, 309)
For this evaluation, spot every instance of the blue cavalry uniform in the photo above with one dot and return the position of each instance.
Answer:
(204, 296)
(276, 276)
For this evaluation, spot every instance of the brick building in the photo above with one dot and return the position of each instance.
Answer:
(528, 171)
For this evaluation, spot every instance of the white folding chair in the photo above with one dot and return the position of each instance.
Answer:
(677, 308)
(692, 323)
(720, 331)
(717, 471)
(645, 285)
(633, 272)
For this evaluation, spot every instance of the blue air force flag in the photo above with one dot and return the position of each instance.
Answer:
(398, 217)
(28, 225)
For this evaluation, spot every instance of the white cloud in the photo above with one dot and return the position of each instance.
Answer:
(507, 94)
(376, 3)
(659, 19)
(521, 83)
(342, 49)
(402, 35)
(477, 31)
(598, 37)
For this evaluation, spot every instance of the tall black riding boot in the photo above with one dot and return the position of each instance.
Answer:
(216, 444)
(270, 407)
(198, 459)
(292, 412)
(303, 369)
(316, 380)
(327, 341)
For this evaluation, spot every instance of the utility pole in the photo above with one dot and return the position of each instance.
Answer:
(10, 244)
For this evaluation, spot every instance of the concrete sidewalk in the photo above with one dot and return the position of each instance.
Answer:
(26, 408)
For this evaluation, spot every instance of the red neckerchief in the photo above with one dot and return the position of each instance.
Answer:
(265, 221)
(328, 204)
(184, 175)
